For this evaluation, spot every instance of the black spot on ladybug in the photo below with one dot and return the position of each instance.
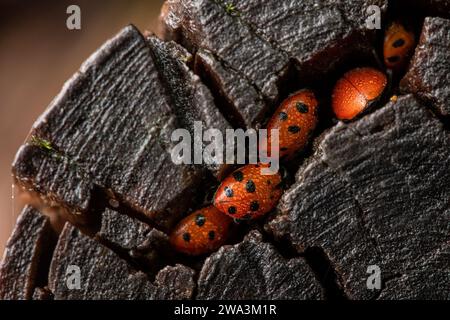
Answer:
(238, 176)
(398, 43)
(250, 186)
(293, 129)
(301, 107)
(200, 220)
(232, 210)
(271, 197)
(211, 235)
(254, 206)
(283, 149)
(283, 116)
(393, 59)
(186, 236)
(269, 182)
(228, 192)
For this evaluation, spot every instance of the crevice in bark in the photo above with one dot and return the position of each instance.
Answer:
(325, 273)
(195, 279)
(133, 257)
(251, 27)
(384, 284)
(226, 107)
(47, 243)
(42, 293)
(99, 204)
(242, 75)
(359, 212)
(135, 264)
(429, 104)
(364, 227)
(282, 245)
(113, 202)
(317, 260)
(287, 73)
(315, 257)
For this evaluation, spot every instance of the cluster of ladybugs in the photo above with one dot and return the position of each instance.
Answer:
(246, 194)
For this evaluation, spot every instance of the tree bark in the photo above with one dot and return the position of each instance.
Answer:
(371, 193)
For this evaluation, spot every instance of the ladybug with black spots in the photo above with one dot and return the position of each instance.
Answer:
(398, 45)
(201, 232)
(295, 119)
(248, 194)
(357, 91)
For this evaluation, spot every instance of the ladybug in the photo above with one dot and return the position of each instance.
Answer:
(356, 91)
(398, 45)
(247, 194)
(296, 119)
(201, 232)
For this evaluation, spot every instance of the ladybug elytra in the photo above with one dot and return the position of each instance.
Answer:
(356, 90)
(201, 232)
(247, 194)
(398, 45)
(295, 118)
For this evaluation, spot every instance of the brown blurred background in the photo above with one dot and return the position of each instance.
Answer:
(37, 54)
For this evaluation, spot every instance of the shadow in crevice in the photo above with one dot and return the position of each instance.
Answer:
(325, 273)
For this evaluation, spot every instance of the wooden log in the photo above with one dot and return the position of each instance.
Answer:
(122, 231)
(248, 49)
(428, 75)
(110, 128)
(376, 192)
(146, 247)
(27, 256)
(253, 269)
(431, 278)
(103, 275)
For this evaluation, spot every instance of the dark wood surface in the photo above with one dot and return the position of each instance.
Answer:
(252, 50)
(376, 192)
(371, 192)
(429, 73)
(26, 256)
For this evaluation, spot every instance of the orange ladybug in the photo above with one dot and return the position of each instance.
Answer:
(356, 91)
(247, 194)
(398, 45)
(295, 119)
(201, 232)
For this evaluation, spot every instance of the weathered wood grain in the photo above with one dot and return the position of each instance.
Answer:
(110, 128)
(430, 281)
(429, 73)
(144, 246)
(106, 276)
(26, 256)
(253, 269)
(251, 46)
(122, 231)
(375, 192)
(54, 178)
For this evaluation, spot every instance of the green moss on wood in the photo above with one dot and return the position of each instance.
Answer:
(42, 143)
